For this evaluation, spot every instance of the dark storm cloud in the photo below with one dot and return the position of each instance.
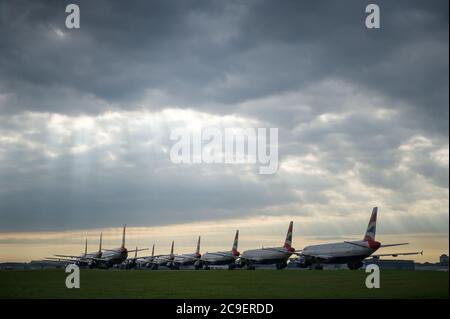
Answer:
(310, 68)
(120, 50)
(189, 50)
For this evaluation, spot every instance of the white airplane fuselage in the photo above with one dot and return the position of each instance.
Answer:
(265, 256)
(340, 253)
(87, 260)
(145, 261)
(271, 255)
(186, 259)
(163, 260)
(112, 257)
(219, 258)
(97, 254)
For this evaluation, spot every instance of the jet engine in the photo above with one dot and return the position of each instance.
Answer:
(240, 263)
(198, 264)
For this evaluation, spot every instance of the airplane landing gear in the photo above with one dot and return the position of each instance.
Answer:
(318, 267)
(315, 266)
(354, 266)
(281, 265)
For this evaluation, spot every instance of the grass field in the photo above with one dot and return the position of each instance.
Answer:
(222, 284)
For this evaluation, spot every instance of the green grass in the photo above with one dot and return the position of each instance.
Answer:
(223, 284)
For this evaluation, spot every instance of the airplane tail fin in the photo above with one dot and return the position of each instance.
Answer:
(288, 241)
(85, 247)
(235, 244)
(100, 245)
(171, 249)
(123, 236)
(153, 250)
(372, 226)
(197, 251)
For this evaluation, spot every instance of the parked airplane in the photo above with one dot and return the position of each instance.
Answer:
(132, 263)
(163, 260)
(82, 260)
(111, 257)
(146, 261)
(269, 256)
(222, 257)
(351, 253)
(188, 259)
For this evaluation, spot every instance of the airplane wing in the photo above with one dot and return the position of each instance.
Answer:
(398, 254)
(69, 256)
(319, 256)
(283, 250)
(144, 257)
(135, 250)
(130, 251)
(220, 254)
(95, 258)
(391, 245)
(275, 249)
(387, 245)
(356, 244)
(250, 259)
(61, 259)
(187, 257)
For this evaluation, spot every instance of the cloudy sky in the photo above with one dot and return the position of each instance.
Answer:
(86, 116)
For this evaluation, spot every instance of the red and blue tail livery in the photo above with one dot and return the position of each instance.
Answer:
(372, 227)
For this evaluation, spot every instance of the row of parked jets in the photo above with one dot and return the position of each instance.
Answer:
(351, 253)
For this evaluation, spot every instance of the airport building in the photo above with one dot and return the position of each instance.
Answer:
(443, 260)
(13, 265)
(34, 264)
(442, 265)
(43, 264)
(391, 263)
